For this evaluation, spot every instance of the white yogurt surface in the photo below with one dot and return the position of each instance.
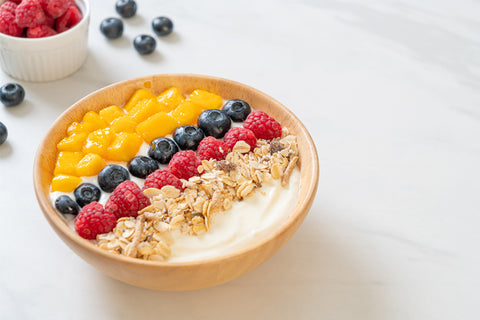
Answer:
(246, 223)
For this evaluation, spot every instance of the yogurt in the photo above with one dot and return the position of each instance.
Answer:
(248, 222)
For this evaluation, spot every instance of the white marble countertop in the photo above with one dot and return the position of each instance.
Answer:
(390, 91)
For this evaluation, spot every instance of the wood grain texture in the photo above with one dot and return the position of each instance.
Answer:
(179, 275)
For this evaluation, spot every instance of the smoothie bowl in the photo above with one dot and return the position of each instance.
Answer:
(176, 182)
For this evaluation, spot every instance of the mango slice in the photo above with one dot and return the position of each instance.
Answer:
(124, 147)
(65, 183)
(73, 142)
(90, 165)
(123, 124)
(77, 127)
(186, 113)
(91, 122)
(91, 117)
(139, 95)
(158, 125)
(111, 113)
(144, 109)
(98, 141)
(205, 99)
(170, 99)
(67, 163)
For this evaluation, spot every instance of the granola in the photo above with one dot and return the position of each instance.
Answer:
(221, 183)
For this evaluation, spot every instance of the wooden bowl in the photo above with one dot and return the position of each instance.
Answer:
(176, 275)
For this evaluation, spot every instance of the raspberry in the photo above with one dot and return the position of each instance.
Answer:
(262, 125)
(211, 148)
(160, 178)
(69, 19)
(29, 13)
(240, 134)
(126, 200)
(184, 164)
(9, 6)
(49, 21)
(40, 32)
(56, 8)
(8, 25)
(94, 220)
(16, 1)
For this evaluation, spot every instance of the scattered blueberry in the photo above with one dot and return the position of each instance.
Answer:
(112, 28)
(66, 205)
(162, 150)
(86, 193)
(144, 44)
(111, 176)
(126, 8)
(3, 133)
(142, 166)
(214, 123)
(188, 137)
(162, 26)
(237, 110)
(12, 94)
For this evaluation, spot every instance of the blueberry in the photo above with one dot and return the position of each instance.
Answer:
(142, 166)
(162, 26)
(126, 8)
(86, 193)
(237, 110)
(188, 137)
(144, 44)
(12, 94)
(111, 176)
(66, 205)
(3, 133)
(112, 28)
(214, 123)
(162, 150)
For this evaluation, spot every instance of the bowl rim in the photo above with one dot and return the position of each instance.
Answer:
(54, 217)
(85, 19)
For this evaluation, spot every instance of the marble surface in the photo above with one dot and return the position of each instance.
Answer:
(390, 91)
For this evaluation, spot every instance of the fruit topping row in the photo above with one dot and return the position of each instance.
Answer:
(181, 132)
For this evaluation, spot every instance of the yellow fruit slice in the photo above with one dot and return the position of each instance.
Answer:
(158, 125)
(123, 124)
(124, 147)
(67, 163)
(98, 141)
(91, 117)
(111, 113)
(73, 142)
(139, 95)
(170, 99)
(205, 99)
(144, 109)
(90, 165)
(91, 122)
(77, 127)
(186, 113)
(65, 183)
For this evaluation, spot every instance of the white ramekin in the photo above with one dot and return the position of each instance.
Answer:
(50, 58)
